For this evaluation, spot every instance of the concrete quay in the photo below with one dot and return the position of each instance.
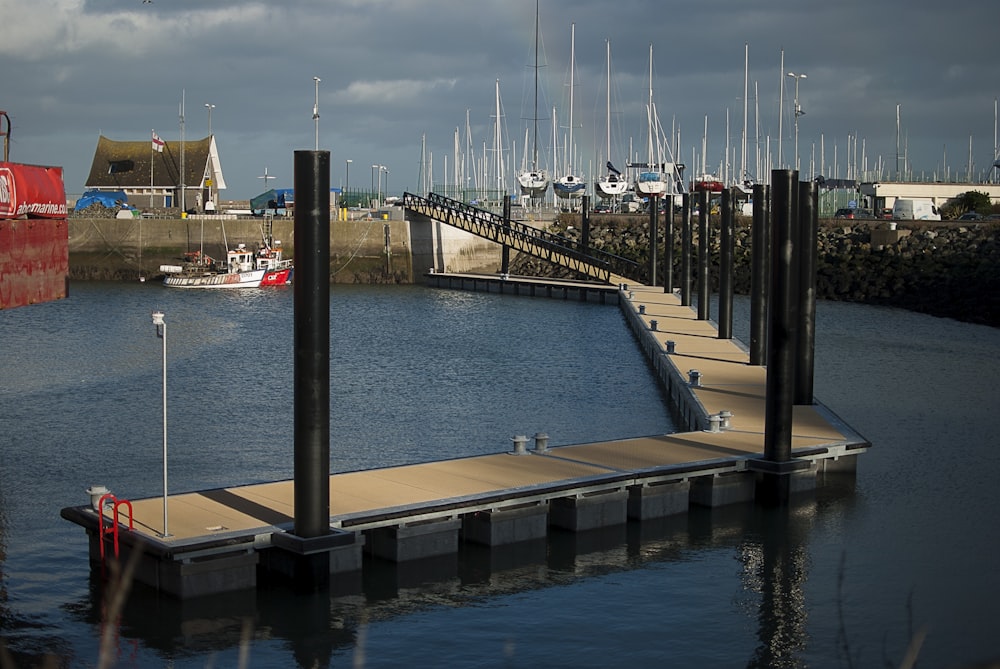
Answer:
(226, 539)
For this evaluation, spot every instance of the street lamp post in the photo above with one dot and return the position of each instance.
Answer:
(798, 113)
(209, 107)
(316, 111)
(161, 332)
(347, 179)
(379, 195)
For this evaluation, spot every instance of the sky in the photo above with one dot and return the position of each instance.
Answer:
(890, 86)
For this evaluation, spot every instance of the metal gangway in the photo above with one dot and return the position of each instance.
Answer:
(562, 251)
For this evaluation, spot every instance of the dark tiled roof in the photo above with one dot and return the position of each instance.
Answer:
(125, 165)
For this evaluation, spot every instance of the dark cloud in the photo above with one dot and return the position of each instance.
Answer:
(394, 72)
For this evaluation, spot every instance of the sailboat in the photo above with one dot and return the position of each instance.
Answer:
(533, 182)
(706, 181)
(613, 184)
(656, 178)
(569, 186)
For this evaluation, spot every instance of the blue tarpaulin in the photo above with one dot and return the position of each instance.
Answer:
(107, 199)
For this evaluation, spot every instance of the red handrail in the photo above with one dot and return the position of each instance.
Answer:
(113, 524)
(119, 502)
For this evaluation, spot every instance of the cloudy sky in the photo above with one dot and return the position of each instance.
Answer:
(398, 77)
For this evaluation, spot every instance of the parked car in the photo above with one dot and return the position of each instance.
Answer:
(970, 216)
(602, 209)
(854, 213)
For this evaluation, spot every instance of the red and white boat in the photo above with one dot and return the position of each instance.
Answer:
(244, 268)
(708, 182)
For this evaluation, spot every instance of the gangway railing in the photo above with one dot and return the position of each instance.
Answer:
(562, 251)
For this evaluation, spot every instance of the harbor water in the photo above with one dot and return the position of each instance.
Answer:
(899, 559)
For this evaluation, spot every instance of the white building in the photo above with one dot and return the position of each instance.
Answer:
(883, 195)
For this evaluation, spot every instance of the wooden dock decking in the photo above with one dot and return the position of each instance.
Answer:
(697, 466)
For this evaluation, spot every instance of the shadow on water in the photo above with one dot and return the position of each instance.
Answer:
(770, 544)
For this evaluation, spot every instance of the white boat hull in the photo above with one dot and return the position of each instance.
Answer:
(533, 184)
(251, 279)
(569, 186)
(651, 184)
(613, 186)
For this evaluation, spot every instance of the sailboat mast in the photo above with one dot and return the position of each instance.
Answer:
(746, 85)
(608, 109)
(572, 65)
(499, 145)
(649, 111)
(470, 157)
(704, 148)
(534, 135)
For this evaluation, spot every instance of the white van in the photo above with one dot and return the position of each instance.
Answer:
(915, 209)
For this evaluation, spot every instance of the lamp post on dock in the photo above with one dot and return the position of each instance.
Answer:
(161, 332)
(797, 114)
(316, 80)
(382, 168)
(347, 178)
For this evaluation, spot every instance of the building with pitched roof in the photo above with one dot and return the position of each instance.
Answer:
(150, 172)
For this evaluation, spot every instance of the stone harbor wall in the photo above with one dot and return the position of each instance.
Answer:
(933, 267)
(939, 268)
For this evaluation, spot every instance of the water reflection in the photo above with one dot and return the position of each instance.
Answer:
(772, 545)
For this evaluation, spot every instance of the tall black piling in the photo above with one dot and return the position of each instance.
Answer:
(308, 553)
(704, 290)
(654, 236)
(726, 252)
(668, 246)
(505, 250)
(776, 467)
(312, 343)
(685, 282)
(301, 556)
(760, 256)
(808, 212)
(585, 226)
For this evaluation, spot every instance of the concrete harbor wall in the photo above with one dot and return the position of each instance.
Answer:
(362, 250)
(940, 268)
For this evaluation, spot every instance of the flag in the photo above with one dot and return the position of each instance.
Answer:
(158, 143)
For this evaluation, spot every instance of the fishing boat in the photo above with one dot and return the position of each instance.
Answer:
(613, 184)
(534, 181)
(261, 267)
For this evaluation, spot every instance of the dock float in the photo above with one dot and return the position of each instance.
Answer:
(225, 539)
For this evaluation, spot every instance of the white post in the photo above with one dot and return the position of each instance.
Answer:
(161, 332)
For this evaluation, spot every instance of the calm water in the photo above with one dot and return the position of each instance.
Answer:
(847, 579)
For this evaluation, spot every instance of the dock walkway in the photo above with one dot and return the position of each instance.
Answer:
(218, 537)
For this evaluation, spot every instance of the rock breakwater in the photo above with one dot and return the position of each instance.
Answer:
(942, 269)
